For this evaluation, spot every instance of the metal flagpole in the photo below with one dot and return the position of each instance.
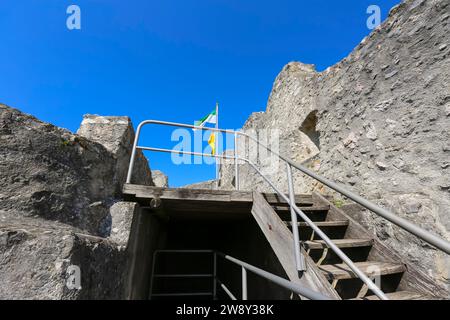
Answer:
(216, 141)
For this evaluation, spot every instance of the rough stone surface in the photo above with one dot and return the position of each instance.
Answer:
(208, 185)
(116, 134)
(35, 256)
(49, 172)
(160, 179)
(59, 207)
(377, 122)
(121, 220)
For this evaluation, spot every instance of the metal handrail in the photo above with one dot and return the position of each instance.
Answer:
(166, 123)
(403, 223)
(421, 233)
(289, 285)
(370, 284)
(377, 291)
(227, 291)
(291, 202)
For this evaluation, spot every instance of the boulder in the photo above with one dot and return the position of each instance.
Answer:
(116, 134)
(60, 208)
(160, 179)
(38, 258)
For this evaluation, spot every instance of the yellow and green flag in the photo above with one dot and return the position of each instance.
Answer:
(210, 118)
(212, 143)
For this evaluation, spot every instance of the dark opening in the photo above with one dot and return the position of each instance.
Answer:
(309, 126)
(237, 235)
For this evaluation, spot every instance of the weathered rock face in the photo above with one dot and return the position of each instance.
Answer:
(51, 173)
(116, 134)
(377, 122)
(160, 179)
(59, 207)
(207, 185)
(121, 221)
(36, 256)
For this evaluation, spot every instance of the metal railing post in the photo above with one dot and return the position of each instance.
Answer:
(327, 240)
(215, 276)
(152, 278)
(236, 158)
(244, 284)
(133, 152)
(287, 284)
(423, 234)
(299, 258)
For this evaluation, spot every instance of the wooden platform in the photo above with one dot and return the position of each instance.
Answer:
(198, 203)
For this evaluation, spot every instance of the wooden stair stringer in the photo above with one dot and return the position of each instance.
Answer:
(413, 279)
(281, 240)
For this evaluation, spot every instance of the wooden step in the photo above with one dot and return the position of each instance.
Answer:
(333, 229)
(321, 224)
(370, 268)
(315, 213)
(286, 208)
(340, 243)
(399, 295)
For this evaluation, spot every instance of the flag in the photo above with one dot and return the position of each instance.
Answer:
(212, 143)
(210, 118)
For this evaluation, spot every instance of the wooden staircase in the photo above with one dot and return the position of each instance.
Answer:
(325, 272)
(369, 255)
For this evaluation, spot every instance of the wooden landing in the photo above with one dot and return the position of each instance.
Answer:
(199, 203)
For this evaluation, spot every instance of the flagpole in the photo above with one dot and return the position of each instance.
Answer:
(217, 142)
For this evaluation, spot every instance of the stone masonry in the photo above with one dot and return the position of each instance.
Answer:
(60, 207)
(378, 122)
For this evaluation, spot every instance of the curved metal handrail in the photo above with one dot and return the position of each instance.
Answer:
(361, 275)
(403, 223)
(164, 123)
(399, 221)
(287, 284)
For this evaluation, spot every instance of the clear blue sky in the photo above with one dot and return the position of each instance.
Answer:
(166, 59)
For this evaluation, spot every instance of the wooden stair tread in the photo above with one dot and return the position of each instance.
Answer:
(338, 223)
(341, 243)
(400, 295)
(342, 271)
(279, 208)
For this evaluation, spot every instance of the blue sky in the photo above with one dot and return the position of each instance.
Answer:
(168, 59)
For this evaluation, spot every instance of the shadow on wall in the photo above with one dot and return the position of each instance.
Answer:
(312, 139)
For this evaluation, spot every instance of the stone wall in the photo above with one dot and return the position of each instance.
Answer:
(207, 185)
(60, 206)
(50, 173)
(377, 122)
(160, 179)
(116, 134)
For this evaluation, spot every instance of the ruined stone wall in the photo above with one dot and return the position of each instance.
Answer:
(208, 185)
(377, 122)
(116, 134)
(160, 179)
(60, 207)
